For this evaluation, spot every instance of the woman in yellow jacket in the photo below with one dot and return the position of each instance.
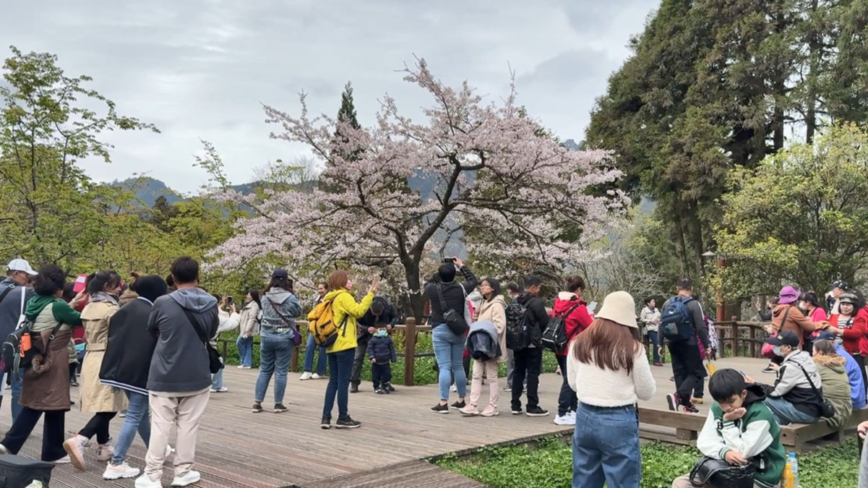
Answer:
(342, 352)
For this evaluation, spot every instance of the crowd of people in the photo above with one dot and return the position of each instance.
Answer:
(150, 353)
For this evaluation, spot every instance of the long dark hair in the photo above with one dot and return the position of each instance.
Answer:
(101, 279)
(609, 345)
(284, 283)
(254, 294)
(495, 288)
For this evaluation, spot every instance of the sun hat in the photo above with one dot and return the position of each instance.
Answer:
(619, 307)
(788, 295)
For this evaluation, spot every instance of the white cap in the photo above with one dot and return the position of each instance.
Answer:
(21, 265)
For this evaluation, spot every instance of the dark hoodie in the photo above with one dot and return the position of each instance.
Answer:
(454, 294)
(180, 363)
(756, 436)
(537, 317)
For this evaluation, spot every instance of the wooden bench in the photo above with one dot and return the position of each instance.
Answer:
(795, 436)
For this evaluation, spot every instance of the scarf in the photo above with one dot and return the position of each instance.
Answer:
(102, 296)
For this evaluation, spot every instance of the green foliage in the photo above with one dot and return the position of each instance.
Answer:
(549, 465)
(799, 217)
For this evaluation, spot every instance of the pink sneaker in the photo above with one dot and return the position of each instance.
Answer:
(104, 452)
(75, 448)
(490, 411)
(469, 411)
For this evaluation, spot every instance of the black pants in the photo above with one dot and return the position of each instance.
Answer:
(687, 368)
(72, 368)
(381, 374)
(860, 360)
(52, 432)
(567, 400)
(528, 363)
(359, 360)
(99, 427)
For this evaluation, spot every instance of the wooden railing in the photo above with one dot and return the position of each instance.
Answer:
(410, 331)
(743, 338)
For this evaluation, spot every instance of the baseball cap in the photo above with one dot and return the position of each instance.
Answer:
(784, 338)
(280, 274)
(21, 265)
(827, 336)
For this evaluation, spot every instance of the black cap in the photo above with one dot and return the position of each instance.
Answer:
(784, 338)
(280, 274)
(840, 284)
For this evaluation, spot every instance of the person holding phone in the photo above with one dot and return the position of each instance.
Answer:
(346, 311)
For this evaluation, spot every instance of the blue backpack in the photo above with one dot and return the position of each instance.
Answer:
(676, 321)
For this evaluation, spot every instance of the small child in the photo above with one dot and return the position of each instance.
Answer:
(740, 429)
(381, 350)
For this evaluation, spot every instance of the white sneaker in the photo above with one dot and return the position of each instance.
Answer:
(188, 479)
(566, 419)
(219, 390)
(122, 471)
(240, 366)
(306, 376)
(316, 377)
(104, 452)
(75, 448)
(453, 388)
(145, 481)
(63, 460)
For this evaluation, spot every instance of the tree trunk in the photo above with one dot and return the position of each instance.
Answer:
(814, 53)
(779, 90)
(680, 243)
(414, 302)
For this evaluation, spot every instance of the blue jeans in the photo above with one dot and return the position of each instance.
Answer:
(786, 413)
(137, 420)
(275, 353)
(16, 396)
(449, 352)
(309, 351)
(652, 335)
(606, 448)
(340, 369)
(245, 351)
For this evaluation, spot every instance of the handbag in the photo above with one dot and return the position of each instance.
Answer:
(296, 336)
(454, 320)
(215, 362)
(768, 349)
(720, 474)
(827, 410)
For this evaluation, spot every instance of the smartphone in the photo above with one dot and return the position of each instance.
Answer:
(448, 260)
(592, 307)
(229, 300)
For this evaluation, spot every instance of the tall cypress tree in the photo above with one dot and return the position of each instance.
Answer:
(347, 113)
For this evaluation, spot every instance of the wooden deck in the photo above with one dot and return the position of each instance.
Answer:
(239, 449)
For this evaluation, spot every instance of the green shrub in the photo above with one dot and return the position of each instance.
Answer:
(549, 465)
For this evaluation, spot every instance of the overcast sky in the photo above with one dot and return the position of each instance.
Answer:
(200, 69)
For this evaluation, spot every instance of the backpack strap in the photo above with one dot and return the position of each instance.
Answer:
(201, 333)
(7, 290)
(283, 318)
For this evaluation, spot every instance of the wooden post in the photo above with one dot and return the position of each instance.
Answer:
(752, 343)
(224, 348)
(734, 338)
(293, 364)
(409, 351)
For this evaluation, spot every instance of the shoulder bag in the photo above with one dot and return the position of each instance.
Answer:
(720, 474)
(827, 410)
(296, 337)
(454, 320)
(215, 364)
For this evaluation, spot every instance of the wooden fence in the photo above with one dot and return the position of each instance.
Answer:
(410, 331)
(735, 338)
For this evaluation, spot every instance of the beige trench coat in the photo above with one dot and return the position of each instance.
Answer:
(495, 312)
(96, 397)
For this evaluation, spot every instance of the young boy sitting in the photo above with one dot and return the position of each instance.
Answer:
(381, 350)
(740, 429)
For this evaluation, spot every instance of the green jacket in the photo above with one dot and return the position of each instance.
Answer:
(61, 310)
(836, 388)
(756, 436)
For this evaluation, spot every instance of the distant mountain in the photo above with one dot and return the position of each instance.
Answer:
(148, 190)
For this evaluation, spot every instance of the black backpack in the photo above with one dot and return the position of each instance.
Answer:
(517, 334)
(19, 471)
(555, 336)
(18, 349)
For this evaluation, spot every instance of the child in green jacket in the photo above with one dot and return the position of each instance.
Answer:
(740, 429)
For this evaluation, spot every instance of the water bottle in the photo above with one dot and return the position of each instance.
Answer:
(795, 466)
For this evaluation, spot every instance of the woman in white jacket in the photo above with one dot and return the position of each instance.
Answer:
(491, 309)
(228, 321)
(608, 368)
(650, 316)
(249, 327)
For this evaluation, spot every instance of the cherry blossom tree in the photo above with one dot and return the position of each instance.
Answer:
(514, 192)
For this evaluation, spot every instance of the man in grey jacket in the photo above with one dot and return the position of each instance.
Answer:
(179, 379)
(792, 399)
(14, 294)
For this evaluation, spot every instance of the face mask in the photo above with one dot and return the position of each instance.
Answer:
(381, 333)
(777, 351)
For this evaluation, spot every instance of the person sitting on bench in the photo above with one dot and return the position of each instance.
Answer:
(792, 399)
(740, 429)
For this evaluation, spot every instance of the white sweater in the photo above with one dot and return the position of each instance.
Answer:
(606, 388)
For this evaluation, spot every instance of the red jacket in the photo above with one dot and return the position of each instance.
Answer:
(577, 321)
(856, 336)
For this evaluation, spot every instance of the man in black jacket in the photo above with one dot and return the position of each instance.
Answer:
(381, 312)
(686, 361)
(528, 361)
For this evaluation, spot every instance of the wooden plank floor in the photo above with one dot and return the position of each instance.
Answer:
(239, 449)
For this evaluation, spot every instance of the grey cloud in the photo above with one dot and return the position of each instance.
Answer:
(202, 68)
